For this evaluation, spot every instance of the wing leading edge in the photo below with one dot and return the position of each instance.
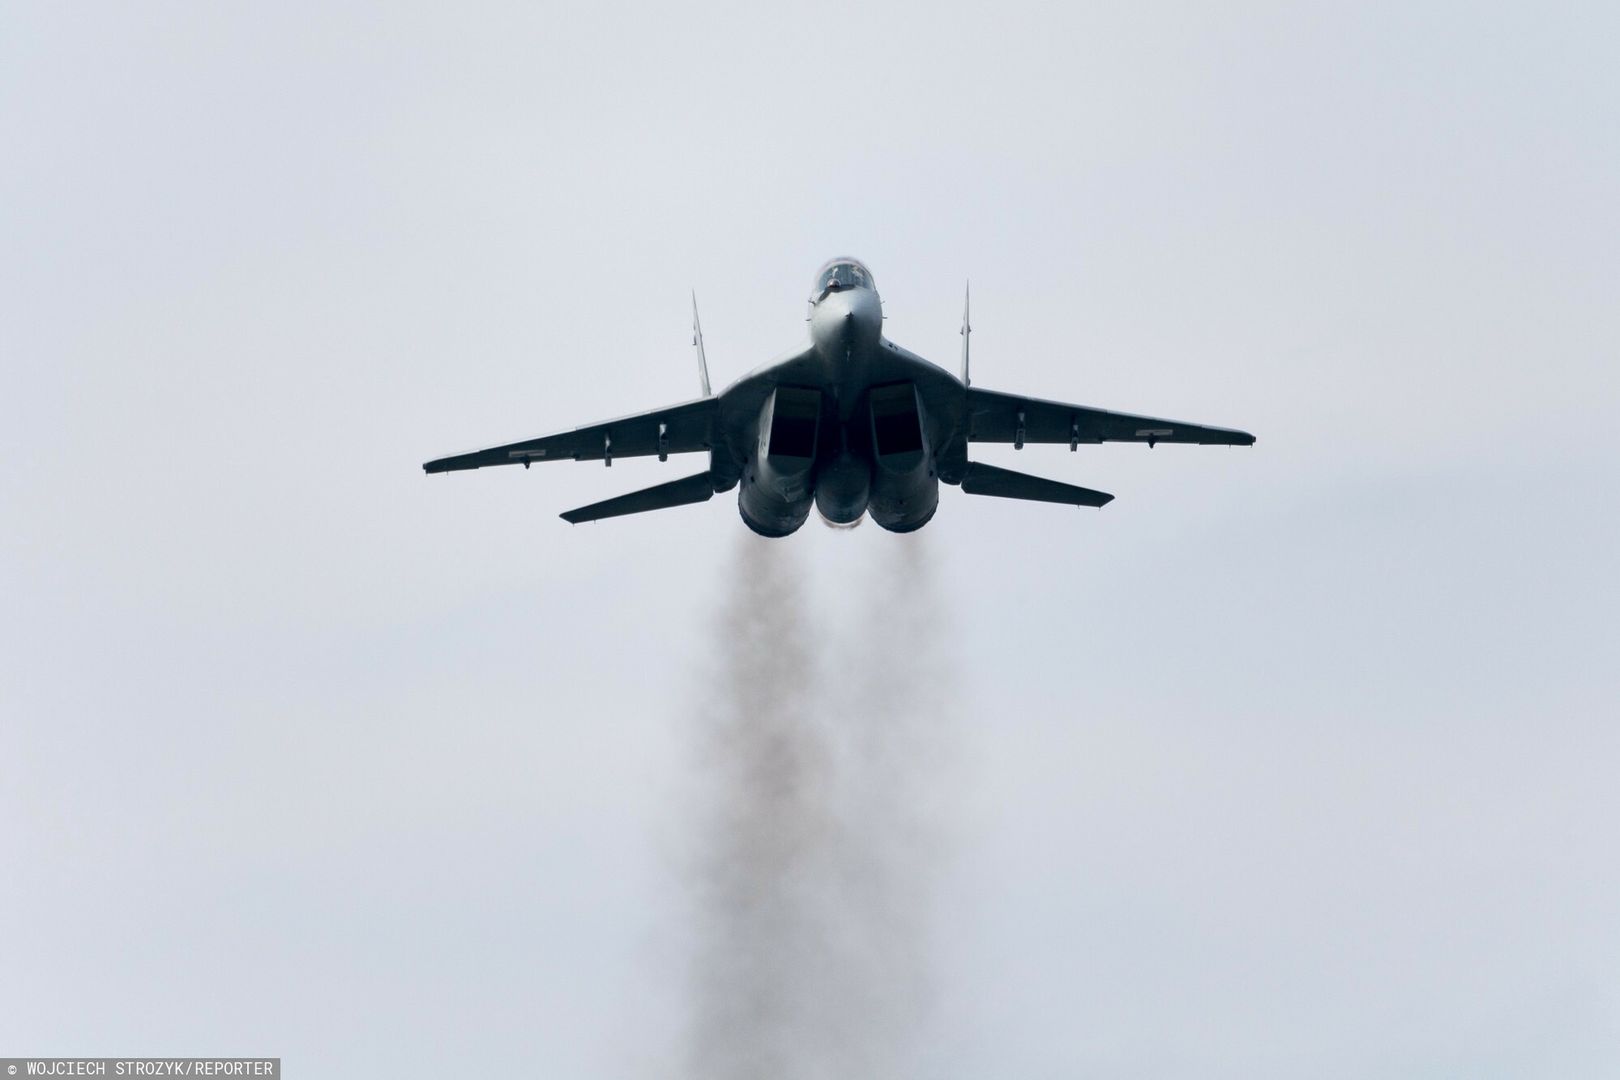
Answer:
(1007, 418)
(678, 429)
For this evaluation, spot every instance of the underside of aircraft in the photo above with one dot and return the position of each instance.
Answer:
(849, 423)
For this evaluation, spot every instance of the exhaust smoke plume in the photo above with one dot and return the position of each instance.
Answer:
(821, 751)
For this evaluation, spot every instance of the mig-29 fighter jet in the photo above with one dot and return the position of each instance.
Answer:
(849, 422)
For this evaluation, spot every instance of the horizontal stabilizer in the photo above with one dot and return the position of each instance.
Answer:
(691, 489)
(982, 479)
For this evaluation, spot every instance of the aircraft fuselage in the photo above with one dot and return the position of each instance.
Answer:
(845, 429)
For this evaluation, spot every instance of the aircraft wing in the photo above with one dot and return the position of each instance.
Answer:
(679, 429)
(1007, 418)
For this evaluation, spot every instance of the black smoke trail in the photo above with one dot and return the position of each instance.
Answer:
(820, 763)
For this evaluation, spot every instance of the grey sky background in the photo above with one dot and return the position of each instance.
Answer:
(1298, 760)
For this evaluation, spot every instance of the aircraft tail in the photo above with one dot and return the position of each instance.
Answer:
(697, 342)
(967, 332)
(682, 492)
(982, 479)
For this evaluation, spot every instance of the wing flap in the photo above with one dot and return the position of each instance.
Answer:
(679, 429)
(1007, 418)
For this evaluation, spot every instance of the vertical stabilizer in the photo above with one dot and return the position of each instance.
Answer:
(967, 332)
(697, 342)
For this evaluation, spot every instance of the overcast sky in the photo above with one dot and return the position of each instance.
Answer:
(1297, 760)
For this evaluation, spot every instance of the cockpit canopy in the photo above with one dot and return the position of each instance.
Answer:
(841, 274)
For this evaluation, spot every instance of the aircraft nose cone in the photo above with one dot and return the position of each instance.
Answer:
(846, 319)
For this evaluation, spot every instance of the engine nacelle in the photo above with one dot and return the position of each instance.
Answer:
(774, 494)
(905, 490)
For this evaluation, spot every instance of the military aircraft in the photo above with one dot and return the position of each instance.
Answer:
(849, 422)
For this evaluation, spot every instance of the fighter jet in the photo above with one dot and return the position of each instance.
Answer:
(849, 423)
